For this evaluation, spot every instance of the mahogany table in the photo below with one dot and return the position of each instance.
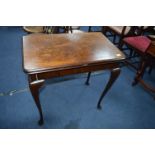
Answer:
(52, 55)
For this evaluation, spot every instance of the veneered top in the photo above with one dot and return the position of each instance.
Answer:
(43, 52)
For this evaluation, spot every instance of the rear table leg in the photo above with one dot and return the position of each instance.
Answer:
(88, 78)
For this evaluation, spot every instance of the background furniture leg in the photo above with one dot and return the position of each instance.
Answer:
(140, 73)
(150, 69)
(89, 29)
(88, 77)
(114, 39)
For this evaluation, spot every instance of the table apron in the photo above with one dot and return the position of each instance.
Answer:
(76, 70)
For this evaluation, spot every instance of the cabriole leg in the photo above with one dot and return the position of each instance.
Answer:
(114, 75)
(34, 88)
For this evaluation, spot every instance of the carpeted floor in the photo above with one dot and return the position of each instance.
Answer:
(67, 102)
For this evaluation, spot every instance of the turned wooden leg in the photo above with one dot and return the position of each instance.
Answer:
(88, 77)
(131, 53)
(140, 73)
(114, 39)
(120, 44)
(34, 88)
(104, 30)
(150, 69)
(89, 29)
(114, 75)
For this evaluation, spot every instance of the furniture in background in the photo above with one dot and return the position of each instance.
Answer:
(57, 29)
(136, 46)
(46, 56)
(61, 29)
(54, 29)
(48, 29)
(144, 47)
(147, 60)
(114, 31)
(121, 31)
(149, 30)
(139, 45)
(34, 29)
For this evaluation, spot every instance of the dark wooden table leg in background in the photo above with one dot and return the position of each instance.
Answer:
(140, 72)
(34, 88)
(114, 75)
(139, 78)
(88, 78)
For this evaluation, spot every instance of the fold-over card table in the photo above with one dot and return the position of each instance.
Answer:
(53, 55)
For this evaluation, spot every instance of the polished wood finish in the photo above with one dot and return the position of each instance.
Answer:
(50, 52)
(53, 55)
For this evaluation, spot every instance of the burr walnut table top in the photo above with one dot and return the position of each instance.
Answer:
(43, 52)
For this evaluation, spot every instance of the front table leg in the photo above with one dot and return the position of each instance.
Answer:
(114, 75)
(34, 88)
